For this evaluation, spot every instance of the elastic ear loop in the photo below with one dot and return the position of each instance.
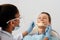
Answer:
(12, 20)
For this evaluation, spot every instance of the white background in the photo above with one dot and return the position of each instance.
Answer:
(29, 9)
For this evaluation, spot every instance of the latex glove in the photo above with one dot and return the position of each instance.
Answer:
(31, 26)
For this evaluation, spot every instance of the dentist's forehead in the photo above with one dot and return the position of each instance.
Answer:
(17, 15)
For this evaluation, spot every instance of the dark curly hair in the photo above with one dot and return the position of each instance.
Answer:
(7, 12)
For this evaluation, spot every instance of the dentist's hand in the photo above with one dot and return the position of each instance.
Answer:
(31, 26)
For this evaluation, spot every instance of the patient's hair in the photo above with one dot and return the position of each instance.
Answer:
(49, 17)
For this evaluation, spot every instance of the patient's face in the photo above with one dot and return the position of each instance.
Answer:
(44, 19)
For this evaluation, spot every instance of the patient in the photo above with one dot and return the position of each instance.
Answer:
(43, 26)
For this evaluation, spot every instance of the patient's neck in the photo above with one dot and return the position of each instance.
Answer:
(41, 30)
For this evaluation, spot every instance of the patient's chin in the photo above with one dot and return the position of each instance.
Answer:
(40, 27)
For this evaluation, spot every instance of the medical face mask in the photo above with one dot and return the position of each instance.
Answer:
(17, 27)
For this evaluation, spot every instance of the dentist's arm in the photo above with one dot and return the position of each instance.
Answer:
(30, 28)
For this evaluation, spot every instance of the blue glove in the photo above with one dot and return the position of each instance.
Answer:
(48, 31)
(31, 26)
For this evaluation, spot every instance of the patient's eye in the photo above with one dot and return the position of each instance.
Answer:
(44, 18)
